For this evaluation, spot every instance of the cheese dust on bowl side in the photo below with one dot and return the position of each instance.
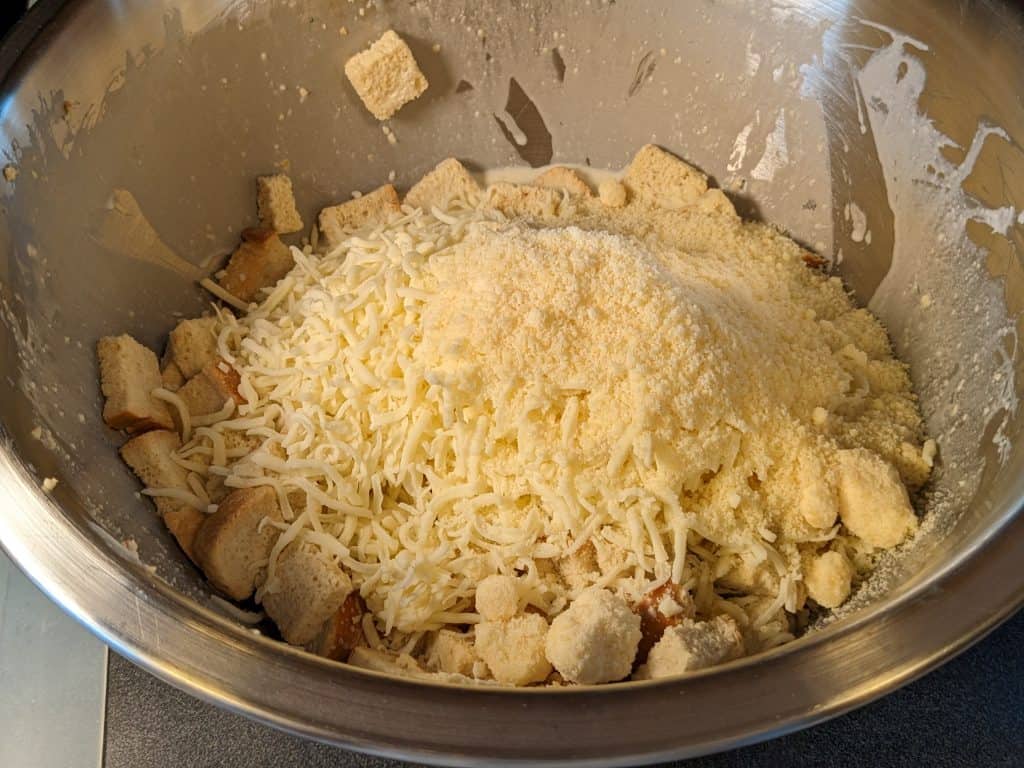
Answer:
(646, 416)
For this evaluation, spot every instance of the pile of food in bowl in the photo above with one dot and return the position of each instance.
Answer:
(524, 434)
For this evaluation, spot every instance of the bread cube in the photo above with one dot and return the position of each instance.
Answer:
(448, 181)
(129, 372)
(308, 588)
(372, 209)
(192, 344)
(275, 202)
(386, 76)
(259, 262)
(229, 544)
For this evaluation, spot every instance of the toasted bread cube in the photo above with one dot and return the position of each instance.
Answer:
(664, 180)
(211, 388)
(658, 610)
(229, 544)
(236, 440)
(129, 372)
(516, 200)
(448, 181)
(342, 632)
(149, 456)
(307, 589)
(275, 202)
(192, 344)
(184, 522)
(371, 209)
(259, 262)
(565, 179)
(171, 377)
(386, 75)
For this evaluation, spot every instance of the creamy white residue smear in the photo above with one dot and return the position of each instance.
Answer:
(858, 222)
(964, 356)
(776, 153)
(926, 196)
(739, 147)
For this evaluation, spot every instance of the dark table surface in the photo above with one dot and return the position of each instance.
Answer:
(969, 712)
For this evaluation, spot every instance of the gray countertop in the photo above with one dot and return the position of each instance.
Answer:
(969, 712)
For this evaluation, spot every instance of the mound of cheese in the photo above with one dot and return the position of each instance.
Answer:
(579, 395)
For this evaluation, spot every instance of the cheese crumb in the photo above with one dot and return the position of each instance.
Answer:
(692, 645)
(49, 483)
(828, 578)
(928, 452)
(497, 598)
(612, 193)
(595, 639)
(514, 649)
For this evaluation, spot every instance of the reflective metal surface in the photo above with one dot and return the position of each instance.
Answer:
(886, 135)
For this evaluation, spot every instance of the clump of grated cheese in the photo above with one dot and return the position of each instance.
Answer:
(459, 394)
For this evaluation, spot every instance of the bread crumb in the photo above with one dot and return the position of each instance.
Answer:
(10, 173)
(49, 483)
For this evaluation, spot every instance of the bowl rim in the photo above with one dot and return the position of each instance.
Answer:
(93, 585)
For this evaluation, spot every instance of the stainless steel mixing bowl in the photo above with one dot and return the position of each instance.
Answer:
(885, 134)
